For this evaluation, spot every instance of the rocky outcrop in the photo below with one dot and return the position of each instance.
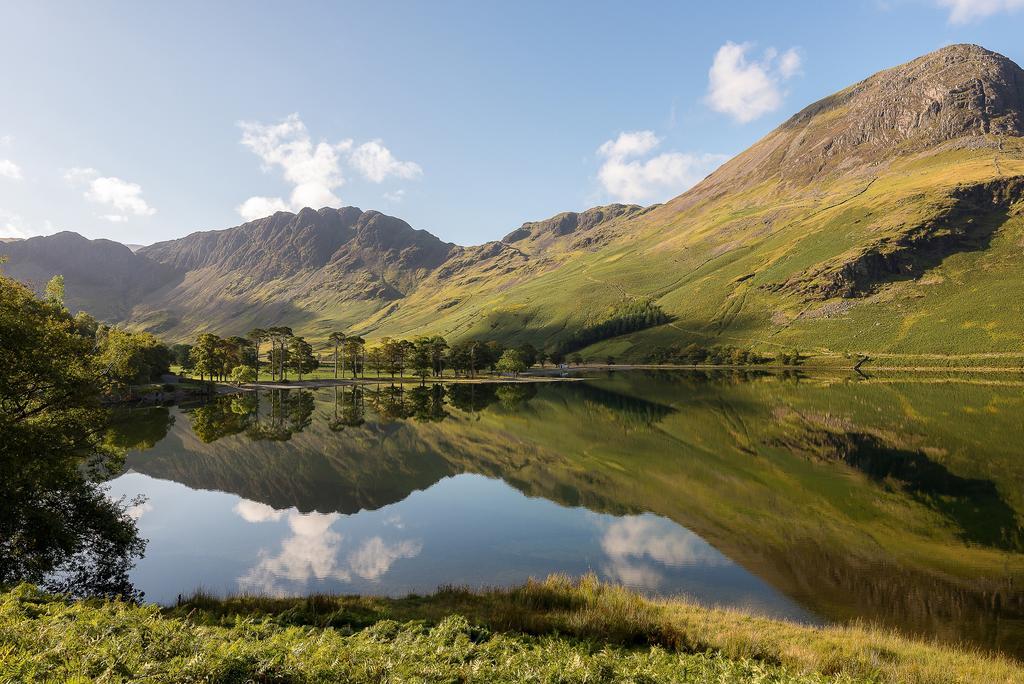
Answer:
(972, 217)
(583, 227)
(283, 244)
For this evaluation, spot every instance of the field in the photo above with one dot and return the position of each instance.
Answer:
(551, 631)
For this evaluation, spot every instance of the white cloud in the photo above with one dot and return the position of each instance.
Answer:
(6, 140)
(394, 197)
(376, 163)
(747, 89)
(640, 180)
(258, 207)
(790, 63)
(966, 11)
(13, 226)
(630, 144)
(122, 195)
(9, 169)
(314, 170)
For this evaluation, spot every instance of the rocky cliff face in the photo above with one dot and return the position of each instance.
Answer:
(959, 96)
(283, 244)
(584, 229)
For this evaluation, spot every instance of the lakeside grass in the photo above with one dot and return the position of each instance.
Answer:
(555, 630)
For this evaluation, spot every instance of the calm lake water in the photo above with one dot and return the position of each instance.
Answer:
(898, 501)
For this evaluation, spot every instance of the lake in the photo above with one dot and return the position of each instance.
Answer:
(895, 500)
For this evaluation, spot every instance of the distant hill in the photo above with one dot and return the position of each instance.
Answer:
(100, 276)
(885, 218)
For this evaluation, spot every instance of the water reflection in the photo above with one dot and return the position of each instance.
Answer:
(314, 551)
(893, 502)
(58, 527)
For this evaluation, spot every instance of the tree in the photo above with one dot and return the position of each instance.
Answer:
(204, 355)
(422, 358)
(57, 526)
(488, 353)
(511, 361)
(257, 335)
(279, 337)
(337, 338)
(577, 359)
(85, 324)
(375, 358)
(131, 358)
(300, 356)
(529, 355)
(355, 347)
(243, 375)
(180, 355)
(438, 353)
(54, 292)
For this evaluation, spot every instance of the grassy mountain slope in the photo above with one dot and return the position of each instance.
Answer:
(886, 217)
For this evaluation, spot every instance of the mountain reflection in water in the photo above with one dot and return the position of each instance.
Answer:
(897, 502)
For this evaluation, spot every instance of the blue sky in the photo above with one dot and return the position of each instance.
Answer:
(147, 121)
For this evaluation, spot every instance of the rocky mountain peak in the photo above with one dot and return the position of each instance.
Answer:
(958, 96)
(957, 91)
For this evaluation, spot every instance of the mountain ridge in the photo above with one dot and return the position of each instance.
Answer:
(902, 188)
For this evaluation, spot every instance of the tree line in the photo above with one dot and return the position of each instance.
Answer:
(625, 317)
(696, 355)
(281, 353)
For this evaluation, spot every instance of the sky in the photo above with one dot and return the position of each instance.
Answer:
(142, 122)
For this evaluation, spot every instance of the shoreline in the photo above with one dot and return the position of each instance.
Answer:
(556, 375)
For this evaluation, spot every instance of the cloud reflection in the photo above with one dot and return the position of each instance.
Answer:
(314, 551)
(639, 547)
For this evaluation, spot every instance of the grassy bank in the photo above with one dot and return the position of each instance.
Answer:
(551, 631)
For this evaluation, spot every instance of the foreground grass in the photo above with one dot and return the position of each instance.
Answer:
(551, 631)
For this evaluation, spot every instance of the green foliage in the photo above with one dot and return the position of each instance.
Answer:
(131, 358)
(300, 356)
(695, 354)
(181, 356)
(242, 375)
(54, 292)
(423, 357)
(56, 525)
(512, 362)
(625, 317)
(528, 354)
(550, 631)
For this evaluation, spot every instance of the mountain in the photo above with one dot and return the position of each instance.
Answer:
(885, 218)
(100, 276)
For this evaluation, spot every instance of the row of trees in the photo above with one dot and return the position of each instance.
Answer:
(626, 317)
(695, 354)
(242, 359)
